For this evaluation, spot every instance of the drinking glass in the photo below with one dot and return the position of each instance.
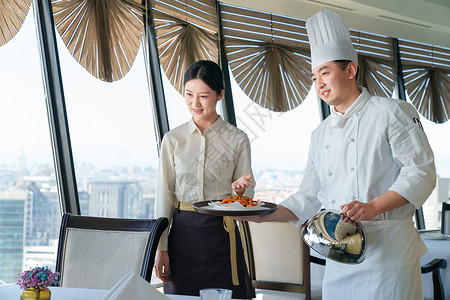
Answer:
(215, 294)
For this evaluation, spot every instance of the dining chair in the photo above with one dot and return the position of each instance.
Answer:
(433, 267)
(445, 218)
(278, 261)
(436, 264)
(419, 219)
(96, 252)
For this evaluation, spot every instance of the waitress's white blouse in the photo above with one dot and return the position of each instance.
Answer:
(195, 167)
(379, 146)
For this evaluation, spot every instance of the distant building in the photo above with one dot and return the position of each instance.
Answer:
(149, 202)
(43, 256)
(43, 214)
(120, 199)
(433, 206)
(83, 199)
(13, 208)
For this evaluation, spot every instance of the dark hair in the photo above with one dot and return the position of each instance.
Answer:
(208, 71)
(343, 63)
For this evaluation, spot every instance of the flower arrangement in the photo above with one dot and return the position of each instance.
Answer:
(38, 278)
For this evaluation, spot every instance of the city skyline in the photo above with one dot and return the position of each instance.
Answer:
(115, 192)
(142, 159)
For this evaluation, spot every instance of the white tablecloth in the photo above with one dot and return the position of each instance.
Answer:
(12, 292)
(436, 249)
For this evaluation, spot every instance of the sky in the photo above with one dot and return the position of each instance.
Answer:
(111, 123)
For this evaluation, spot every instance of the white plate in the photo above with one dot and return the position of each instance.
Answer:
(433, 236)
(231, 208)
(235, 206)
(265, 208)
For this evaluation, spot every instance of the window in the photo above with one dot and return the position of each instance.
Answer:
(436, 136)
(29, 209)
(279, 143)
(113, 139)
(177, 110)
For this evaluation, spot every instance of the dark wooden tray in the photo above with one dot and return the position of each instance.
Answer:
(203, 207)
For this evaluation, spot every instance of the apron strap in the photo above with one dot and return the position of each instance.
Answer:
(230, 226)
(185, 206)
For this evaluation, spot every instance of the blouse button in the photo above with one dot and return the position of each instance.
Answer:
(327, 146)
(332, 201)
(353, 197)
(329, 174)
(352, 169)
(352, 140)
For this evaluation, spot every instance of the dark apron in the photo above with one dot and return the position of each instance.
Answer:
(199, 256)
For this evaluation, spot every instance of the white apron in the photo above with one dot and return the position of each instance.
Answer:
(394, 248)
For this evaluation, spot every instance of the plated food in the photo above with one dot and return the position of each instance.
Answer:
(243, 200)
(235, 206)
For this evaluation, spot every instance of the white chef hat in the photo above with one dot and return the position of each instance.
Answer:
(329, 39)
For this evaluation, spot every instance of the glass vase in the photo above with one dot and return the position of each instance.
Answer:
(31, 294)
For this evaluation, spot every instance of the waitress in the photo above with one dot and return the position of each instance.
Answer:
(203, 159)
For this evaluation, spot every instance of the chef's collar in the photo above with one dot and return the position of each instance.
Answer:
(214, 127)
(338, 120)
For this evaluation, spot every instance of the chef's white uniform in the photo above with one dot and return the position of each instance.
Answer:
(376, 146)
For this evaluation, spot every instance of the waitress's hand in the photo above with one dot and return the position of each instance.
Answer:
(241, 184)
(356, 211)
(162, 265)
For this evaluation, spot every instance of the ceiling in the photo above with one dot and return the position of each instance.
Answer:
(425, 21)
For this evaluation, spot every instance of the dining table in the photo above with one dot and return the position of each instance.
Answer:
(438, 247)
(12, 292)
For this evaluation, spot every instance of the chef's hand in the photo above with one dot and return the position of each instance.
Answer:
(241, 184)
(356, 211)
(256, 219)
(162, 265)
(281, 214)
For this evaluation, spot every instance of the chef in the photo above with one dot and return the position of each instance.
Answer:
(371, 160)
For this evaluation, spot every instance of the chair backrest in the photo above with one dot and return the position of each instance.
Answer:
(445, 219)
(96, 252)
(278, 258)
(419, 219)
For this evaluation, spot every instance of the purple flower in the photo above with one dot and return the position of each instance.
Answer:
(38, 278)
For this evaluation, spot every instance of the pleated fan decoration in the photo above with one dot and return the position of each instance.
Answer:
(429, 91)
(273, 76)
(269, 56)
(12, 16)
(104, 36)
(377, 76)
(186, 31)
(376, 63)
(426, 71)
